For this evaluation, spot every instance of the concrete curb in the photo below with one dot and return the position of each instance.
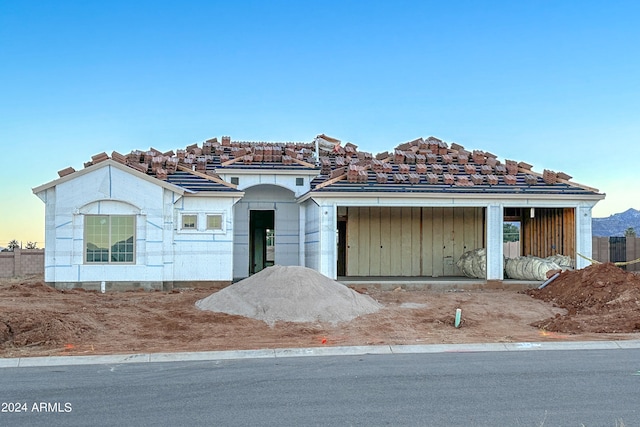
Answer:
(28, 362)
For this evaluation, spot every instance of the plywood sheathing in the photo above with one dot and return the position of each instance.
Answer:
(412, 241)
(551, 231)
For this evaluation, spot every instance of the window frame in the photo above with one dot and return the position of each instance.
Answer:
(221, 229)
(182, 221)
(109, 235)
(202, 226)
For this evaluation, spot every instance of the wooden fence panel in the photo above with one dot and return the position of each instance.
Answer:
(633, 253)
(609, 249)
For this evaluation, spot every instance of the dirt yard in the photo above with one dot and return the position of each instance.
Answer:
(601, 302)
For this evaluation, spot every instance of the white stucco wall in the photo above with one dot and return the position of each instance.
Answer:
(328, 240)
(494, 245)
(201, 254)
(311, 235)
(584, 243)
(109, 191)
(163, 252)
(288, 179)
(286, 217)
(241, 240)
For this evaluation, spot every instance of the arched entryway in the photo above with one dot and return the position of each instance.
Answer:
(266, 230)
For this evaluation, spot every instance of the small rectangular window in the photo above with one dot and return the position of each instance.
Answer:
(214, 222)
(235, 180)
(189, 222)
(299, 182)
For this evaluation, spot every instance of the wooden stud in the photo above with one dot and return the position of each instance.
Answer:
(205, 176)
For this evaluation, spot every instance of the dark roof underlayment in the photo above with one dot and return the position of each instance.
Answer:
(419, 166)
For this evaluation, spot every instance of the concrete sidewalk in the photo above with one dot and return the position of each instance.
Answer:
(26, 362)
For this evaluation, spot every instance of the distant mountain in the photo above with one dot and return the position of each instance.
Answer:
(616, 224)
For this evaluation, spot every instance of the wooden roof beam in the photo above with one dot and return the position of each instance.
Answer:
(208, 177)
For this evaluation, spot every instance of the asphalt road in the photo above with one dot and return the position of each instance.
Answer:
(530, 388)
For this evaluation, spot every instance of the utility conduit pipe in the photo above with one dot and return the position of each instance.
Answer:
(549, 280)
(458, 316)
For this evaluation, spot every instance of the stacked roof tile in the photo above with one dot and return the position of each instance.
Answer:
(422, 165)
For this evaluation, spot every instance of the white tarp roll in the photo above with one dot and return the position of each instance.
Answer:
(529, 268)
(474, 263)
(565, 262)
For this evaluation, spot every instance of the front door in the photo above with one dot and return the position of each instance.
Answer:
(342, 248)
(261, 240)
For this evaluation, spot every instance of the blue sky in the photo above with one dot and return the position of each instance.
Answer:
(551, 83)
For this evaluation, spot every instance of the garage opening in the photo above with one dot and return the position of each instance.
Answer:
(545, 231)
(511, 232)
(408, 241)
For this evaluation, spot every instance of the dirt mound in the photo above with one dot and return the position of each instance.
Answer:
(27, 288)
(290, 294)
(39, 329)
(36, 320)
(598, 298)
(36, 326)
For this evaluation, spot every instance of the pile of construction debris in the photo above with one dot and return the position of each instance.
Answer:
(290, 294)
(598, 298)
